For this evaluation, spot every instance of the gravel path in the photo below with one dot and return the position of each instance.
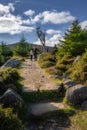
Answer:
(34, 77)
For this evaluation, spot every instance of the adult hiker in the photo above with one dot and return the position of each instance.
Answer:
(31, 54)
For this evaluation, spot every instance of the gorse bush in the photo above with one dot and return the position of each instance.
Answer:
(9, 77)
(8, 120)
(46, 60)
(2, 59)
(64, 63)
(5, 53)
(78, 71)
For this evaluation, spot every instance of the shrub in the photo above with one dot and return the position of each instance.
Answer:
(9, 121)
(78, 72)
(46, 60)
(2, 59)
(64, 63)
(46, 64)
(9, 77)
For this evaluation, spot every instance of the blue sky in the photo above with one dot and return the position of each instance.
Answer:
(18, 17)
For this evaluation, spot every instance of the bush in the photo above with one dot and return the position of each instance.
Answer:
(9, 77)
(78, 72)
(9, 121)
(46, 64)
(46, 60)
(2, 59)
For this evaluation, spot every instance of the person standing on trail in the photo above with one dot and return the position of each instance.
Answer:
(31, 54)
(35, 53)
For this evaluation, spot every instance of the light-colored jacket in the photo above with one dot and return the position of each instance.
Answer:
(31, 52)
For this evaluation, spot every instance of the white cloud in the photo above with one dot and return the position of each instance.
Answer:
(55, 39)
(6, 9)
(13, 25)
(53, 17)
(29, 12)
(52, 31)
(57, 17)
(10, 23)
(84, 24)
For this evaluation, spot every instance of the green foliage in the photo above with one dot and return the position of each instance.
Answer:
(75, 41)
(46, 60)
(9, 121)
(5, 53)
(78, 72)
(9, 78)
(63, 64)
(2, 59)
(54, 50)
(42, 95)
(79, 120)
(5, 50)
(22, 48)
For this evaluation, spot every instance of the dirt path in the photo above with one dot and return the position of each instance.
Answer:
(34, 77)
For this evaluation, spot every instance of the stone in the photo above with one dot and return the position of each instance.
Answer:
(76, 94)
(11, 99)
(12, 63)
(84, 105)
(69, 83)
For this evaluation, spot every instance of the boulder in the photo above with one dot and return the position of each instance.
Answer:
(11, 99)
(84, 105)
(69, 83)
(12, 63)
(76, 94)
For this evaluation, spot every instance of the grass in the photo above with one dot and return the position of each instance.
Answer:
(42, 96)
(80, 120)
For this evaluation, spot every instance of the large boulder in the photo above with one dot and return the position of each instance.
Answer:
(11, 99)
(84, 105)
(76, 94)
(69, 83)
(12, 63)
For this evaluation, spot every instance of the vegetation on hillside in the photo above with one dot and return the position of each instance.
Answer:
(22, 48)
(73, 44)
(5, 53)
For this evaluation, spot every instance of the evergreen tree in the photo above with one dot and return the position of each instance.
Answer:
(75, 40)
(22, 48)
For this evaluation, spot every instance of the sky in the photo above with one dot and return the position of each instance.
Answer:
(21, 18)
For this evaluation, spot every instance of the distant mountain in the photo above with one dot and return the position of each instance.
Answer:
(48, 48)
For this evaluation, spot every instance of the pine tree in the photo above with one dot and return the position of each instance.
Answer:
(75, 40)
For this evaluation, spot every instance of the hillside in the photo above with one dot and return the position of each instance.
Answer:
(49, 48)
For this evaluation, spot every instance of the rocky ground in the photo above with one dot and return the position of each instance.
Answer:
(33, 76)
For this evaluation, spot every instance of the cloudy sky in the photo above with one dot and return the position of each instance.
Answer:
(22, 17)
